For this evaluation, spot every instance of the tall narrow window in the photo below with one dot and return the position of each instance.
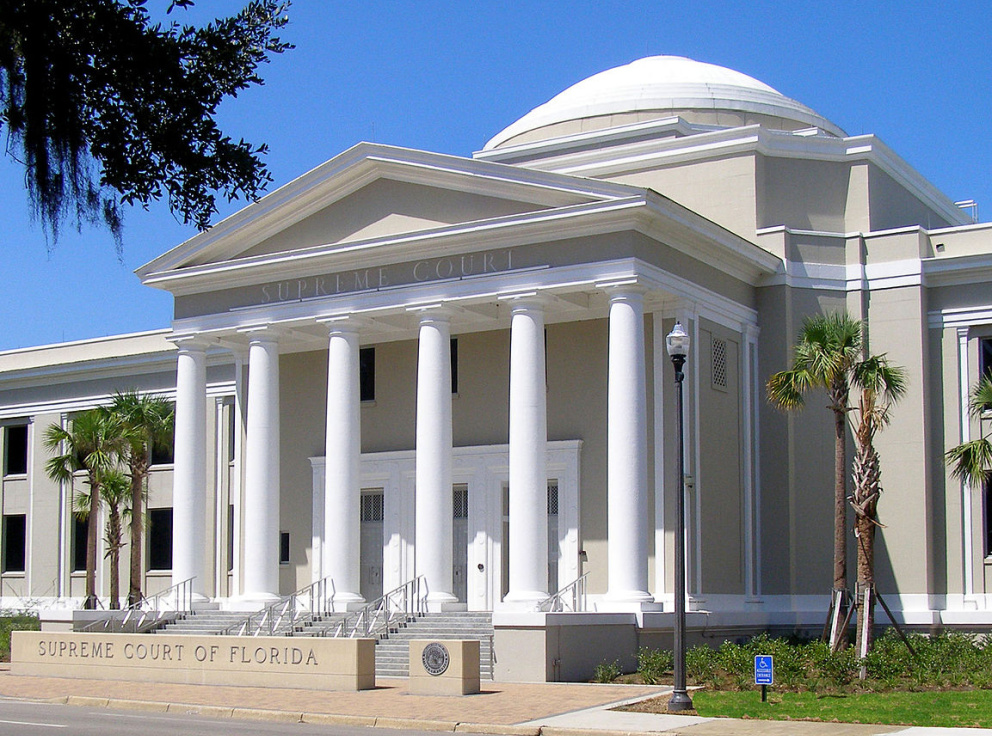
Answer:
(459, 501)
(988, 518)
(159, 539)
(14, 542)
(366, 374)
(283, 548)
(15, 450)
(985, 355)
(230, 537)
(454, 365)
(79, 531)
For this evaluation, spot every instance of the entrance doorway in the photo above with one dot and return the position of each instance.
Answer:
(371, 543)
(459, 541)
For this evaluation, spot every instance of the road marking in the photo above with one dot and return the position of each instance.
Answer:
(31, 723)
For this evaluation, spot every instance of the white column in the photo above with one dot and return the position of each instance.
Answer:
(341, 549)
(261, 515)
(528, 456)
(189, 486)
(433, 493)
(627, 471)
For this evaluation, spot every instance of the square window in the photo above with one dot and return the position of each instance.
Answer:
(14, 542)
(159, 539)
(15, 450)
(366, 374)
(283, 548)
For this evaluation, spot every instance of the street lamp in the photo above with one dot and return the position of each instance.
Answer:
(677, 343)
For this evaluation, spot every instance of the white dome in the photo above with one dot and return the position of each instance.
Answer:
(660, 84)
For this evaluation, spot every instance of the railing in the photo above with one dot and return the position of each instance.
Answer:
(375, 617)
(148, 613)
(285, 614)
(571, 598)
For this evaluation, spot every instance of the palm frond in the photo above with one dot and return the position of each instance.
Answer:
(971, 461)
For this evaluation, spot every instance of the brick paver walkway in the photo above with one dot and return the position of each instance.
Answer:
(498, 703)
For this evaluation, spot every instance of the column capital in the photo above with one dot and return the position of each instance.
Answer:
(262, 333)
(433, 312)
(342, 324)
(190, 343)
(525, 300)
(623, 288)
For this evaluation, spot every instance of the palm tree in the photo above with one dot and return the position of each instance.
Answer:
(91, 444)
(880, 385)
(828, 348)
(116, 494)
(146, 421)
(971, 462)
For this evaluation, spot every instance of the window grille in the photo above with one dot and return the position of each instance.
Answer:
(372, 506)
(459, 502)
(719, 364)
(552, 498)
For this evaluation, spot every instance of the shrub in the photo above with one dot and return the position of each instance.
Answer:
(16, 622)
(654, 664)
(606, 672)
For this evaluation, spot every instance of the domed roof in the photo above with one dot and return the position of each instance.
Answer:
(660, 84)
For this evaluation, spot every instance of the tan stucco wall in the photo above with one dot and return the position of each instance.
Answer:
(722, 190)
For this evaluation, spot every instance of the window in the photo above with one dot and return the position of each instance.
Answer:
(459, 501)
(985, 355)
(552, 498)
(159, 539)
(719, 364)
(988, 518)
(372, 505)
(14, 542)
(366, 374)
(454, 365)
(232, 427)
(15, 450)
(80, 529)
(230, 537)
(283, 548)
(162, 454)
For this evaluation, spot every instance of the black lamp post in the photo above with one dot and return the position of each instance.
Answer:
(677, 343)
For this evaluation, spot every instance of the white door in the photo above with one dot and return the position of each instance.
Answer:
(459, 541)
(371, 544)
(553, 549)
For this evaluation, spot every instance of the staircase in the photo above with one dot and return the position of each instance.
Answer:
(392, 654)
(202, 623)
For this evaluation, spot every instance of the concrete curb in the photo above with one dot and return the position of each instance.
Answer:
(415, 724)
(258, 714)
(498, 729)
(333, 719)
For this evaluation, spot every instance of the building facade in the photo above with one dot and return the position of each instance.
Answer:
(406, 363)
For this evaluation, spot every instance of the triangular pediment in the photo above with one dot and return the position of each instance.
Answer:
(387, 208)
(378, 192)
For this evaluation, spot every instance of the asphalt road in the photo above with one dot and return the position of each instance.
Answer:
(21, 718)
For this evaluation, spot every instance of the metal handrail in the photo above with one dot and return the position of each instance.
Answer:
(306, 604)
(571, 598)
(149, 612)
(375, 617)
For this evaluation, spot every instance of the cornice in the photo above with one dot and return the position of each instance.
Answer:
(614, 160)
(349, 171)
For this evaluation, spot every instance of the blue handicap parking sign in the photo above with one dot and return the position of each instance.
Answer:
(764, 669)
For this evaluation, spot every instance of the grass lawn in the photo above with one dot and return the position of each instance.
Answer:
(951, 708)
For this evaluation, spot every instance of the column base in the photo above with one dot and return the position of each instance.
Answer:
(251, 601)
(343, 602)
(628, 601)
(441, 602)
(527, 600)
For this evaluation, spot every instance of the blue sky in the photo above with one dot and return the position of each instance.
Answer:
(446, 76)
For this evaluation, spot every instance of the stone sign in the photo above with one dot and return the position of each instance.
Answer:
(303, 662)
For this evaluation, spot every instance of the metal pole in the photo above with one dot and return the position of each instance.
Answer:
(680, 700)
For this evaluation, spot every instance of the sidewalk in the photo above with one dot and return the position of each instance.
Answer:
(514, 709)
